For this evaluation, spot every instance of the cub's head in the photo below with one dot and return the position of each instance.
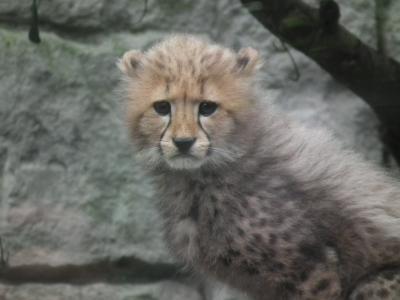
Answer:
(187, 101)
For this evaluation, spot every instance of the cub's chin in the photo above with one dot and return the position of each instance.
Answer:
(184, 162)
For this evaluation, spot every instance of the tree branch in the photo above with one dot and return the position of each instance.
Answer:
(370, 75)
(34, 36)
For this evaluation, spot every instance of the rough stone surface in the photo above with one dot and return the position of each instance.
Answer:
(109, 16)
(157, 291)
(70, 191)
(392, 29)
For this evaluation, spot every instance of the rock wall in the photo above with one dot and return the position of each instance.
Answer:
(70, 191)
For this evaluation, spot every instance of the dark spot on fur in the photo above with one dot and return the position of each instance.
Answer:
(287, 289)
(290, 276)
(257, 238)
(262, 222)
(278, 203)
(385, 256)
(229, 239)
(396, 249)
(289, 286)
(239, 213)
(226, 260)
(360, 297)
(271, 252)
(194, 210)
(383, 293)
(160, 65)
(288, 251)
(233, 252)
(389, 275)
(219, 185)
(240, 231)
(201, 186)
(250, 269)
(311, 251)
(268, 254)
(179, 67)
(323, 284)
(183, 217)
(251, 248)
(272, 238)
(210, 224)
(213, 199)
(216, 213)
(369, 293)
(303, 276)
(289, 214)
(286, 237)
(253, 224)
(277, 221)
(252, 212)
(185, 241)
(265, 256)
(375, 244)
(275, 267)
(371, 230)
(244, 203)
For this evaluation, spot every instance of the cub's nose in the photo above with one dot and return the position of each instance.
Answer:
(184, 144)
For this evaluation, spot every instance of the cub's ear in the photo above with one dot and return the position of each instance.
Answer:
(248, 61)
(130, 62)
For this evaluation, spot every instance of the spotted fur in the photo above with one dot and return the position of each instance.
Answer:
(271, 207)
(382, 285)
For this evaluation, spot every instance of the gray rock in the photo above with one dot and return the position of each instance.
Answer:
(80, 18)
(392, 29)
(157, 291)
(68, 169)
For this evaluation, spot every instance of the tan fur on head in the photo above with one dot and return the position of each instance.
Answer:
(185, 52)
(186, 70)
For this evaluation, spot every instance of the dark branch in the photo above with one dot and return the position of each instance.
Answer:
(122, 270)
(329, 15)
(370, 75)
(34, 36)
(296, 74)
(379, 25)
(144, 12)
(3, 255)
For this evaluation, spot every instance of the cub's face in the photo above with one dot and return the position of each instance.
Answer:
(186, 101)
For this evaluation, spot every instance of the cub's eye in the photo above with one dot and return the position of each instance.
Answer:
(207, 108)
(162, 107)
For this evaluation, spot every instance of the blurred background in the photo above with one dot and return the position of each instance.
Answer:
(77, 220)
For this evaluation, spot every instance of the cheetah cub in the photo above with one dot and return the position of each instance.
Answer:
(248, 196)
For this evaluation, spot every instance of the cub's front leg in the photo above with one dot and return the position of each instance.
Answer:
(382, 285)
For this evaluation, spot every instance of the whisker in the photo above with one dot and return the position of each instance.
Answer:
(226, 152)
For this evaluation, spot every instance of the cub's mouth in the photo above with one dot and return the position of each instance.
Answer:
(184, 161)
(184, 156)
